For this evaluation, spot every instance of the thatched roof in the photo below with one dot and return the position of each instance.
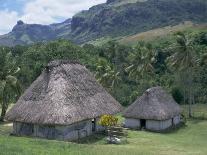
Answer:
(65, 93)
(154, 104)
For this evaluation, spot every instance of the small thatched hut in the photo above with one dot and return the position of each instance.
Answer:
(155, 110)
(65, 103)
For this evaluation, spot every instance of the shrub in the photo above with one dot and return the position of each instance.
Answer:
(177, 95)
(108, 120)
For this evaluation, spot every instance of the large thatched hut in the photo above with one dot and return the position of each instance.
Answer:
(65, 103)
(155, 110)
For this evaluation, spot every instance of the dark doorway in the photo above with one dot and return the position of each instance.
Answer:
(94, 125)
(142, 123)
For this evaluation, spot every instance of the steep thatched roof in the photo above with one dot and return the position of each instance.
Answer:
(65, 93)
(154, 104)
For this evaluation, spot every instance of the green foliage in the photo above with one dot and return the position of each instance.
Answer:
(9, 85)
(141, 62)
(125, 71)
(177, 95)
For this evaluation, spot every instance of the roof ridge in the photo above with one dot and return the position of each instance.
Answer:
(55, 63)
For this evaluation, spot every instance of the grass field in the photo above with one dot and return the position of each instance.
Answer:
(188, 140)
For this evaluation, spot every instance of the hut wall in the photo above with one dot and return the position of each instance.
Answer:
(176, 120)
(23, 129)
(132, 123)
(99, 128)
(158, 125)
(70, 132)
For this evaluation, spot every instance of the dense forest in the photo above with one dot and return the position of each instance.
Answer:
(177, 63)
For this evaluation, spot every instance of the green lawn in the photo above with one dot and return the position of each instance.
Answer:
(188, 140)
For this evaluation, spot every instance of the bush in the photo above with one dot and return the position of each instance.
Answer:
(177, 95)
(108, 120)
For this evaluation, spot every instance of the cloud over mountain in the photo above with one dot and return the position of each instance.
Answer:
(41, 11)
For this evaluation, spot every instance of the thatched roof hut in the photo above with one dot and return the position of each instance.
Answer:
(155, 104)
(65, 93)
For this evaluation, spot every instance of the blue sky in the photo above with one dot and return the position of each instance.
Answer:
(39, 11)
(15, 5)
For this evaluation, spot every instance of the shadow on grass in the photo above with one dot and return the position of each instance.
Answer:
(99, 137)
(175, 129)
(5, 128)
(183, 125)
(197, 119)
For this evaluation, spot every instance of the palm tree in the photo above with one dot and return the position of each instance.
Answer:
(141, 62)
(101, 67)
(183, 60)
(106, 74)
(112, 76)
(9, 85)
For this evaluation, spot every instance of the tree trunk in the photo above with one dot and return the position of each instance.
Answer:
(193, 98)
(190, 89)
(3, 111)
(190, 110)
(4, 105)
(190, 103)
(184, 95)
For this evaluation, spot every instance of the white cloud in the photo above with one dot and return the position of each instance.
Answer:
(8, 20)
(45, 12)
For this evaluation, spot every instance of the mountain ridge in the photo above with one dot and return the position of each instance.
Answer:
(114, 18)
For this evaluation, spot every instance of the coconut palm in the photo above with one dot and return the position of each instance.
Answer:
(101, 67)
(112, 76)
(183, 60)
(9, 85)
(141, 62)
(106, 74)
(184, 55)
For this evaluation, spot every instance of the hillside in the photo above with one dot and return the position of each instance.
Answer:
(157, 34)
(114, 18)
(161, 33)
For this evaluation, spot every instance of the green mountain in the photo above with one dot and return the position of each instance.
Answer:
(114, 18)
(31, 33)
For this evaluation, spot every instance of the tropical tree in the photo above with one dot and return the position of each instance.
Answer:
(112, 76)
(183, 60)
(106, 74)
(141, 62)
(101, 67)
(9, 85)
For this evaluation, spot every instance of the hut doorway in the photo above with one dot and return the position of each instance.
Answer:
(94, 125)
(173, 122)
(143, 123)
